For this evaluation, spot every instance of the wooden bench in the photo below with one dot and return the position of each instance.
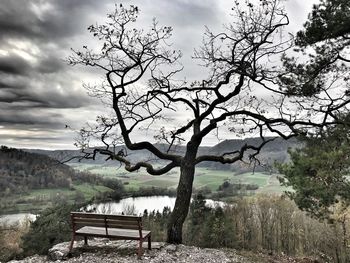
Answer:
(110, 226)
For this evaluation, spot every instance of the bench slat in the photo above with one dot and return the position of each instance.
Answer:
(116, 217)
(82, 224)
(114, 221)
(102, 224)
(109, 223)
(87, 220)
(122, 226)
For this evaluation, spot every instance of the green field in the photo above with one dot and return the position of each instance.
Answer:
(204, 177)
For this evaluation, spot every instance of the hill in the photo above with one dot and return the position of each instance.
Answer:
(275, 150)
(23, 172)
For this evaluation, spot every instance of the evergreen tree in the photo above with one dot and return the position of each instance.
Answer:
(318, 172)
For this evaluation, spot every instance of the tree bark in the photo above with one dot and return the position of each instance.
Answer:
(183, 198)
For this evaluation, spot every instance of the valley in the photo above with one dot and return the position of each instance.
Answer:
(32, 180)
(205, 178)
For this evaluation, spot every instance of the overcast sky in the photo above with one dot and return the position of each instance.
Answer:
(40, 93)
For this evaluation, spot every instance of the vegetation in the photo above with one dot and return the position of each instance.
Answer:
(31, 182)
(51, 227)
(272, 224)
(21, 171)
(319, 171)
(205, 178)
(143, 87)
(152, 191)
(327, 32)
(11, 240)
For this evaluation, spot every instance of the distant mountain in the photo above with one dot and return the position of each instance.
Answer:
(133, 156)
(274, 151)
(271, 152)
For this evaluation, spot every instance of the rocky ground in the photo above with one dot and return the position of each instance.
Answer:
(105, 251)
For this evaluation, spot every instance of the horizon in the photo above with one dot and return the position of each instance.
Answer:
(121, 145)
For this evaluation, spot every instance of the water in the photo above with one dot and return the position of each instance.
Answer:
(12, 219)
(138, 205)
(129, 205)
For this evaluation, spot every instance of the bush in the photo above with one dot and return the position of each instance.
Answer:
(153, 191)
(51, 227)
(10, 240)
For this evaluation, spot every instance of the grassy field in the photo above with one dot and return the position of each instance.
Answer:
(204, 177)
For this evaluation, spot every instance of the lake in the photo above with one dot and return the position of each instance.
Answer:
(136, 205)
(16, 218)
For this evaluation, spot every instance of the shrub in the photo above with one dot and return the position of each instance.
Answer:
(51, 227)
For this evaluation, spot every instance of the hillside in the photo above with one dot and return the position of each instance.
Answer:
(31, 181)
(273, 151)
(21, 171)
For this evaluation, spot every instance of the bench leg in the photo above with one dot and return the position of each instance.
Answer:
(85, 241)
(71, 244)
(139, 251)
(149, 242)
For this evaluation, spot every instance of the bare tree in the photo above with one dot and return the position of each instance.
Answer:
(242, 92)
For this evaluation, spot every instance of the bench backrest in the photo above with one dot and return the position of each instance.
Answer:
(81, 219)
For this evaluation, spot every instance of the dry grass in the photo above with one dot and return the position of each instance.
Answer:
(11, 238)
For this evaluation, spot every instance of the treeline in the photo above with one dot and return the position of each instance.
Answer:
(22, 171)
(263, 223)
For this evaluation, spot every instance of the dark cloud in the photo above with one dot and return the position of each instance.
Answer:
(17, 65)
(51, 20)
(50, 64)
(33, 138)
(5, 85)
(16, 19)
(14, 65)
(44, 99)
(11, 118)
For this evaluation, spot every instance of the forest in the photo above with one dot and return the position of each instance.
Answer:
(31, 182)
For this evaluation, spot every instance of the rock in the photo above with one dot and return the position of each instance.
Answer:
(158, 245)
(59, 251)
(32, 259)
(171, 248)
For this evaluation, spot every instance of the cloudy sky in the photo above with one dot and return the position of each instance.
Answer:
(40, 94)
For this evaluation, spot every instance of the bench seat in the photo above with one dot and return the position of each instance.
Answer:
(112, 232)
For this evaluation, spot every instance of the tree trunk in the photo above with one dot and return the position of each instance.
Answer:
(183, 198)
